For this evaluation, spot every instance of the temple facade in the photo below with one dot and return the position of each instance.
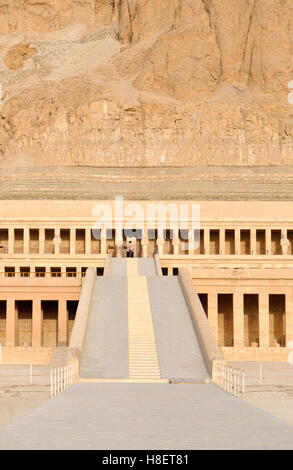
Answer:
(240, 258)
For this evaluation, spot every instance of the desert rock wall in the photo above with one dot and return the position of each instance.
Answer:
(146, 82)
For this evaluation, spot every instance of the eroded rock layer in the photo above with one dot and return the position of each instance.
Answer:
(146, 82)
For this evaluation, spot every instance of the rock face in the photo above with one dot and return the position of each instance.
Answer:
(146, 82)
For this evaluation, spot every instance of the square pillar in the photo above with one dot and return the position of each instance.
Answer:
(11, 323)
(41, 240)
(88, 241)
(206, 241)
(289, 316)
(62, 322)
(213, 313)
(103, 241)
(26, 240)
(11, 240)
(160, 245)
(191, 242)
(145, 247)
(176, 245)
(264, 320)
(37, 323)
(57, 241)
(237, 242)
(222, 241)
(72, 240)
(238, 319)
(268, 241)
(253, 241)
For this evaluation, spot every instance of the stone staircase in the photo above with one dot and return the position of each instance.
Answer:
(142, 349)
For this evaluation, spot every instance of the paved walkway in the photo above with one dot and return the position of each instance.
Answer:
(146, 416)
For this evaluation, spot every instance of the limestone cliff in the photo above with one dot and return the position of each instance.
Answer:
(146, 82)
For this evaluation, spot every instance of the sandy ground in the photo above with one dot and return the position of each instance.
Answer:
(269, 386)
(17, 395)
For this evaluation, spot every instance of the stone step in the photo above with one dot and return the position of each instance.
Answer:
(143, 358)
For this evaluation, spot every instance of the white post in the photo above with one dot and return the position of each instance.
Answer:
(31, 374)
(260, 374)
(51, 383)
(55, 382)
(223, 377)
(243, 384)
(231, 380)
(58, 380)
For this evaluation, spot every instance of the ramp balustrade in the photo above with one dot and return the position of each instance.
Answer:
(61, 378)
(230, 379)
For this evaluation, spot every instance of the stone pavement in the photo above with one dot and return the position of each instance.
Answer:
(146, 416)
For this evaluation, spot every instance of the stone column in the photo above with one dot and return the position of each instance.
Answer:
(72, 240)
(285, 244)
(289, 316)
(37, 323)
(238, 319)
(213, 313)
(103, 241)
(11, 240)
(237, 242)
(62, 322)
(160, 244)
(264, 320)
(119, 247)
(41, 241)
(57, 241)
(253, 241)
(11, 323)
(26, 241)
(145, 247)
(206, 241)
(191, 242)
(268, 241)
(222, 242)
(88, 241)
(176, 245)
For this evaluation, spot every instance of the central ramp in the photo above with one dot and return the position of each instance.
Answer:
(105, 351)
(139, 328)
